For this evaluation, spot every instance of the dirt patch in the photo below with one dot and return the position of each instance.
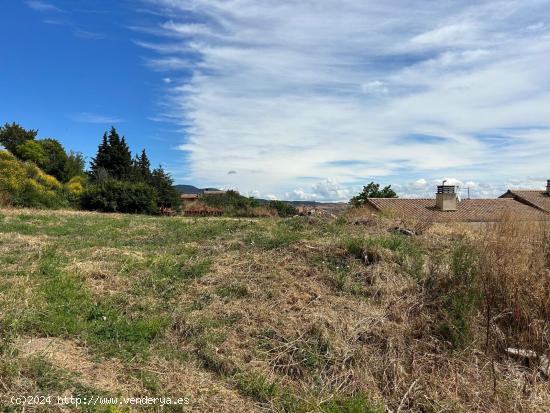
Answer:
(69, 356)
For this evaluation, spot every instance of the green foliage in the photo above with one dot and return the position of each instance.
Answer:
(113, 163)
(25, 185)
(50, 156)
(12, 135)
(372, 190)
(461, 297)
(56, 159)
(75, 165)
(33, 151)
(167, 195)
(113, 159)
(120, 196)
(142, 167)
(233, 203)
(284, 209)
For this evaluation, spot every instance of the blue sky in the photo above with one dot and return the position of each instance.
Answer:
(294, 100)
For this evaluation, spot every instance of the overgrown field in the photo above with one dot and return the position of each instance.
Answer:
(283, 315)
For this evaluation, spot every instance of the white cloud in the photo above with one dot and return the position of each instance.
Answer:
(322, 191)
(289, 93)
(42, 6)
(89, 117)
(375, 87)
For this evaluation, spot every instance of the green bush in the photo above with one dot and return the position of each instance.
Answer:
(120, 196)
(233, 203)
(284, 209)
(23, 184)
(461, 297)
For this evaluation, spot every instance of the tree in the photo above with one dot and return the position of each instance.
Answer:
(13, 135)
(31, 150)
(372, 190)
(48, 154)
(142, 167)
(113, 157)
(56, 159)
(75, 165)
(102, 159)
(167, 194)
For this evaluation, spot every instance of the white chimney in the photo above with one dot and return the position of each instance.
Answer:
(445, 198)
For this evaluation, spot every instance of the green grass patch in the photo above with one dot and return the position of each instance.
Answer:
(232, 291)
(461, 297)
(357, 403)
(405, 250)
(284, 233)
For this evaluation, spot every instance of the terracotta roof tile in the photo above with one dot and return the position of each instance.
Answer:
(537, 199)
(468, 210)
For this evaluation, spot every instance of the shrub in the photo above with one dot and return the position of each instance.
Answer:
(120, 196)
(233, 203)
(284, 209)
(461, 296)
(25, 185)
(33, 151)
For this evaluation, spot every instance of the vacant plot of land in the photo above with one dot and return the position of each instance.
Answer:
(293, 315)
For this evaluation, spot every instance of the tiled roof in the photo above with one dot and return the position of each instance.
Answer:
(468, 210)
(537, 199)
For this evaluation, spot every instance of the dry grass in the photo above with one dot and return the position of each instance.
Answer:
(277, 315)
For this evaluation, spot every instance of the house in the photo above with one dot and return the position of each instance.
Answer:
(534, 198)
(188, 198)
(447, 207)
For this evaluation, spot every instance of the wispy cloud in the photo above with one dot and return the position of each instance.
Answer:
(340, 90)
(89, 117)
(42, 6)
(85, 34)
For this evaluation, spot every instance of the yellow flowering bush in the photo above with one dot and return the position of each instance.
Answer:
(76, 185)
(26, 185)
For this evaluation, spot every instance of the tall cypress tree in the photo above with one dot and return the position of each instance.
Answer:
(143, 167)
(121, 158)
(101, 162)
(113, 158)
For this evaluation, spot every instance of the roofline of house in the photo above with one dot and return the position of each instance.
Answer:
(522, 200)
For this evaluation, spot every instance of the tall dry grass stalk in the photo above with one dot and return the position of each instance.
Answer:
(514, 275)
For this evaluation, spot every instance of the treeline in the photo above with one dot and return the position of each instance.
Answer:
(120, 183)
(235, 205)
(41, 173)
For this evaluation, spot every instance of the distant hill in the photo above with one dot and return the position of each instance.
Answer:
(190, 189)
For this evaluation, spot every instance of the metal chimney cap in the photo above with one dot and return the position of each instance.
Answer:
(446, 189)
